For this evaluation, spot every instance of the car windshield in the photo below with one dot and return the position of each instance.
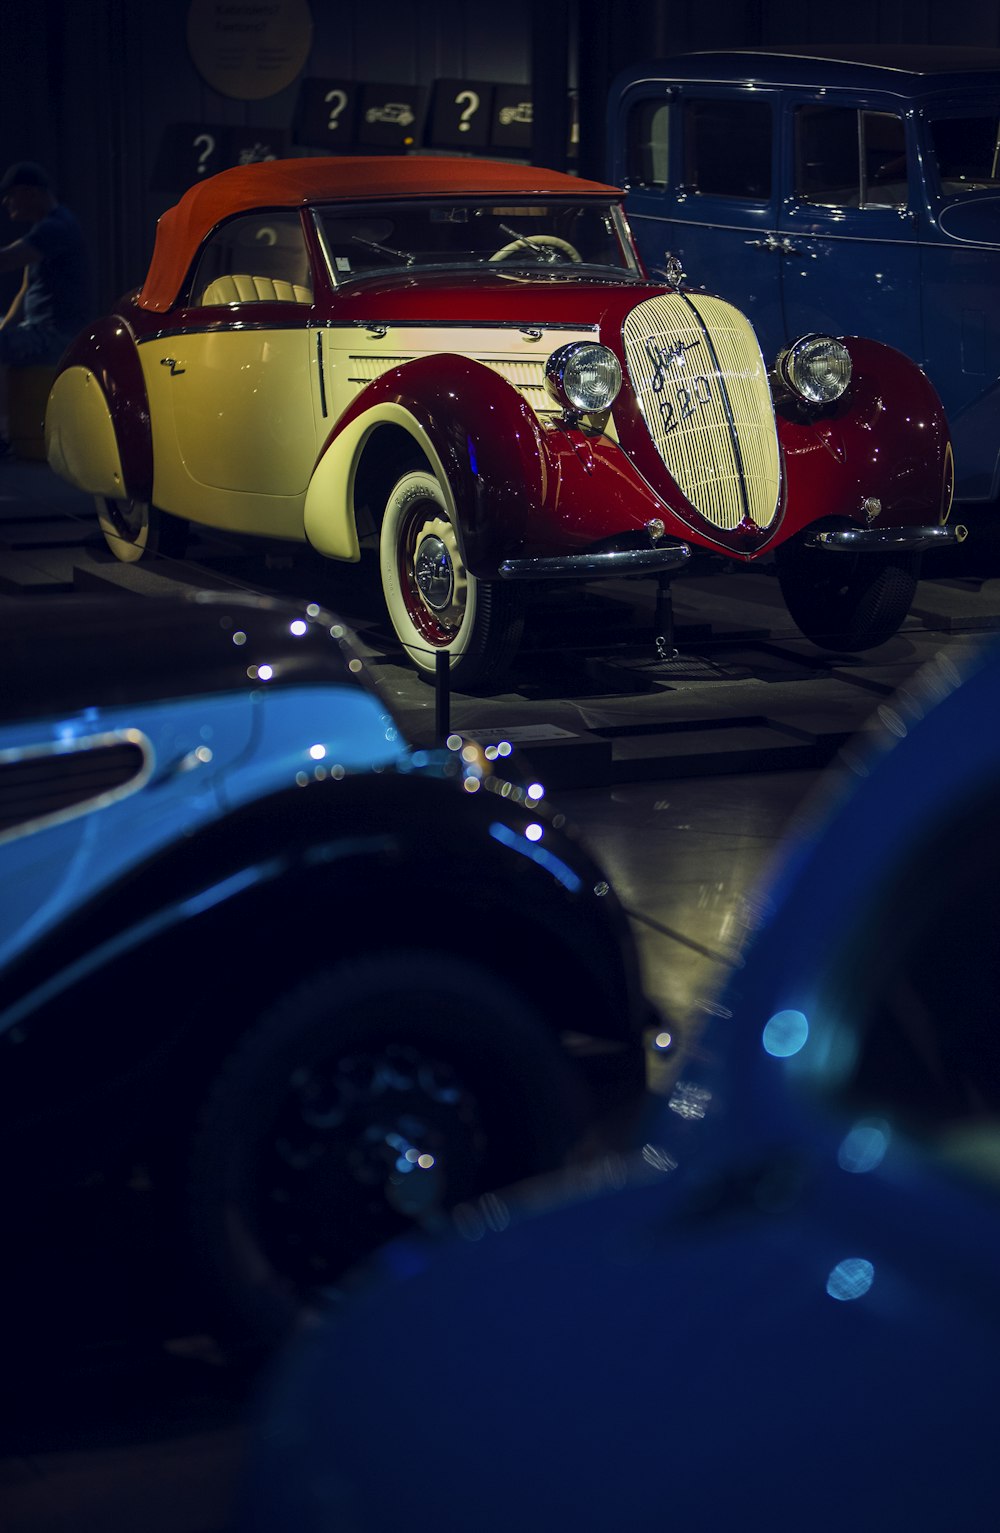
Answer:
(525, 233)
(967, 150)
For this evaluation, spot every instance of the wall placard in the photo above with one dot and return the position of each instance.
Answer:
(192, 151)
(327, 113)
(392, 116)
(461, 114)
(512, 118)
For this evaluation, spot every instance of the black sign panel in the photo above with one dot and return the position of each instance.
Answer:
(512, 116)
(192, 151)
(461, 115)
(392, 116)
(326, 115)
(248, 146)
(189, 151)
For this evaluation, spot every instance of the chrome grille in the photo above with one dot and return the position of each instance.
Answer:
(698, 374)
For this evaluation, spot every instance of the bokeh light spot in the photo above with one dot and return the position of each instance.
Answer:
(785, 1034)
(850, 1279)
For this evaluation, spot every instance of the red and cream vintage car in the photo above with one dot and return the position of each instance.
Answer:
(463, 367)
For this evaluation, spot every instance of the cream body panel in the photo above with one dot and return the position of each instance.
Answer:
(354, 356)
(329, 515)
(80, 440)
(234, 427)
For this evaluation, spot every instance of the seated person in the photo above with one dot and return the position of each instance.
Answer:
(51, 305)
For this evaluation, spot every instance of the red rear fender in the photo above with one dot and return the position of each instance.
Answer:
(108, 350)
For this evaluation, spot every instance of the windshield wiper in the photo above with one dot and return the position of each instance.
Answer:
(540, 252)
(400, 255)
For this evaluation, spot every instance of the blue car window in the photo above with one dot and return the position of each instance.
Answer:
(845, 158)
(647, 144)
(967, 150)
(727, 148)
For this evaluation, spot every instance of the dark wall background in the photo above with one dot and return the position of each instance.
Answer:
(90, 87)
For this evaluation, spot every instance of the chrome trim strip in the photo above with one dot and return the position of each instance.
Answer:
(628, 561)
(223, 329)
(322, 375)
(74, 747)
(364, 324)
(451, 324)
(676, 82)
(861, 540)
(797, 234)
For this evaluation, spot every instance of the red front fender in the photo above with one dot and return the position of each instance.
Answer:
(520, 489)
(887, 439)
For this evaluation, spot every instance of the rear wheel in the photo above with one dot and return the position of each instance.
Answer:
(134, 529)
(434, 603)
(846, 601)
(371, 1097)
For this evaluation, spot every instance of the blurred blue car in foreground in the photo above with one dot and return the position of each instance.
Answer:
(785, 1313)
(292, 979)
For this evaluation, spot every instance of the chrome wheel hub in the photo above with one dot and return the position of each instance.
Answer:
(437, 577)
(434, 573)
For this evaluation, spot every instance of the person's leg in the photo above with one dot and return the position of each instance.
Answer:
(23, 346)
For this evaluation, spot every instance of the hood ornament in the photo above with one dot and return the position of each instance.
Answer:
(673, 270)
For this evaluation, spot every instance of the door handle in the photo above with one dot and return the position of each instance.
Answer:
(171, 362)
(771, 242)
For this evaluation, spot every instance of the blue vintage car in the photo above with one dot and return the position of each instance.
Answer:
(787, 1316)
(850, 190)
(259, 947)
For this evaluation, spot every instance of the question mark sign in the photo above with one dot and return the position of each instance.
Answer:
(472, 98)
(209, 143)
(339, 98)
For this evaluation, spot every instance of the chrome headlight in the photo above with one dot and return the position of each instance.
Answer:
(584, 376)
(817, 368)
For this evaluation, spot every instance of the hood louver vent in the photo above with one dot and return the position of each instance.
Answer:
(40, 786)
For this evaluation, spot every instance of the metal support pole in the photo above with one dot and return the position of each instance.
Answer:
(442, 695)
(663, 637)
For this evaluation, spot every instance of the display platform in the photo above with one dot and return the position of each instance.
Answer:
(595, 697)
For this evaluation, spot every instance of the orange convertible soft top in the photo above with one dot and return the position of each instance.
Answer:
(290, 183)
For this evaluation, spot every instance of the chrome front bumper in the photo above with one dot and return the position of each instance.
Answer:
(632, 561)
(868, 540)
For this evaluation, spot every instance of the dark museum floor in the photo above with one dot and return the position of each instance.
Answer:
(682, 775)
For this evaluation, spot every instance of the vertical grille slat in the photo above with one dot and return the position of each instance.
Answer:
(702, 387)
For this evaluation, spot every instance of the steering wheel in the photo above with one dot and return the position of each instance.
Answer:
(542, 241)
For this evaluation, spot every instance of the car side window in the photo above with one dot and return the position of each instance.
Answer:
(967, 150)
(258, 258)
(727, 148)
(647, 143)
(846, 158)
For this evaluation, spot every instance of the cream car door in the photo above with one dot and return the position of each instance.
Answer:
(232, 387)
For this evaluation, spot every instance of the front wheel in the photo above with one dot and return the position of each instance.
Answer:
(846, 601)
(434, 603)
(134, 529)
(375, 1095)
